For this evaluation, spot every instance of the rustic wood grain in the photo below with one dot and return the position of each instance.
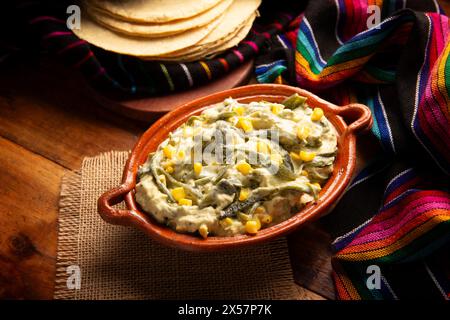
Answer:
(56, 119)
(305, 294)
(310, 258)
(28, 225)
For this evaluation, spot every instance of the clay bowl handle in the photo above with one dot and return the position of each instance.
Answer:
(109, 199)
(358, 117)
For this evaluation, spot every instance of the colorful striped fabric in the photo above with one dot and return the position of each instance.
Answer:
(395, 215)
(46, 21)
(413, 221)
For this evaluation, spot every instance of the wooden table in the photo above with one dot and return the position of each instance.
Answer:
(48, 124)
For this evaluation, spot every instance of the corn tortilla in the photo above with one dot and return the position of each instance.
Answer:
(153, 11)
(238, 13)
(210, 51)
(160, 29)
(233, 20)
(111, 41)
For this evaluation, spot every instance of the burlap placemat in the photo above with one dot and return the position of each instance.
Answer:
(122, 263)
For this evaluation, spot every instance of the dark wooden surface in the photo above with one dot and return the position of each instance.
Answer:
(48, 124)
(147, 109)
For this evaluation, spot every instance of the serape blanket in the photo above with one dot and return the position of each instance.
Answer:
(393, 224)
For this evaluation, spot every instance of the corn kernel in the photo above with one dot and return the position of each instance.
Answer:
(168, 166)
(265, 218)
(198, 168)
(243, 195)
(304, 173)
(228, 221)
(181, 154)
(260, 210)
(276, 108)
(316, 184)
(252, 226)
(169, 169)
(245, 124)
(276, 157)
(203, 230)
(168, 151)
(258, 223)
(262, 147)
(317, 114)
(165, 164)
(294, 156)
(239, 110)
(178, 193)
(303, 132)
(244, 168)
(307, 156)
(185, 202)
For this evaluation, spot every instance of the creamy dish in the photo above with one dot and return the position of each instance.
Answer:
(237, 168)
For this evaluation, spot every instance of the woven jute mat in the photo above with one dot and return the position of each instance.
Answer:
(122, 263)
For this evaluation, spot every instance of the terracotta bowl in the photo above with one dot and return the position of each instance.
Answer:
(348, 121)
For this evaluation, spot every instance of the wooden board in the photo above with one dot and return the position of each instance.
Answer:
(147, 109)
(28, 223)
(310, 254)
(63, 124)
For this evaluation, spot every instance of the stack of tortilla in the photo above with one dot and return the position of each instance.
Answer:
(171, 30)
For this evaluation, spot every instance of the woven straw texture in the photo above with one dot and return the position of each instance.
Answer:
(122, 263)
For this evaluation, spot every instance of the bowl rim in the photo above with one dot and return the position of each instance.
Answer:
(358, 116)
